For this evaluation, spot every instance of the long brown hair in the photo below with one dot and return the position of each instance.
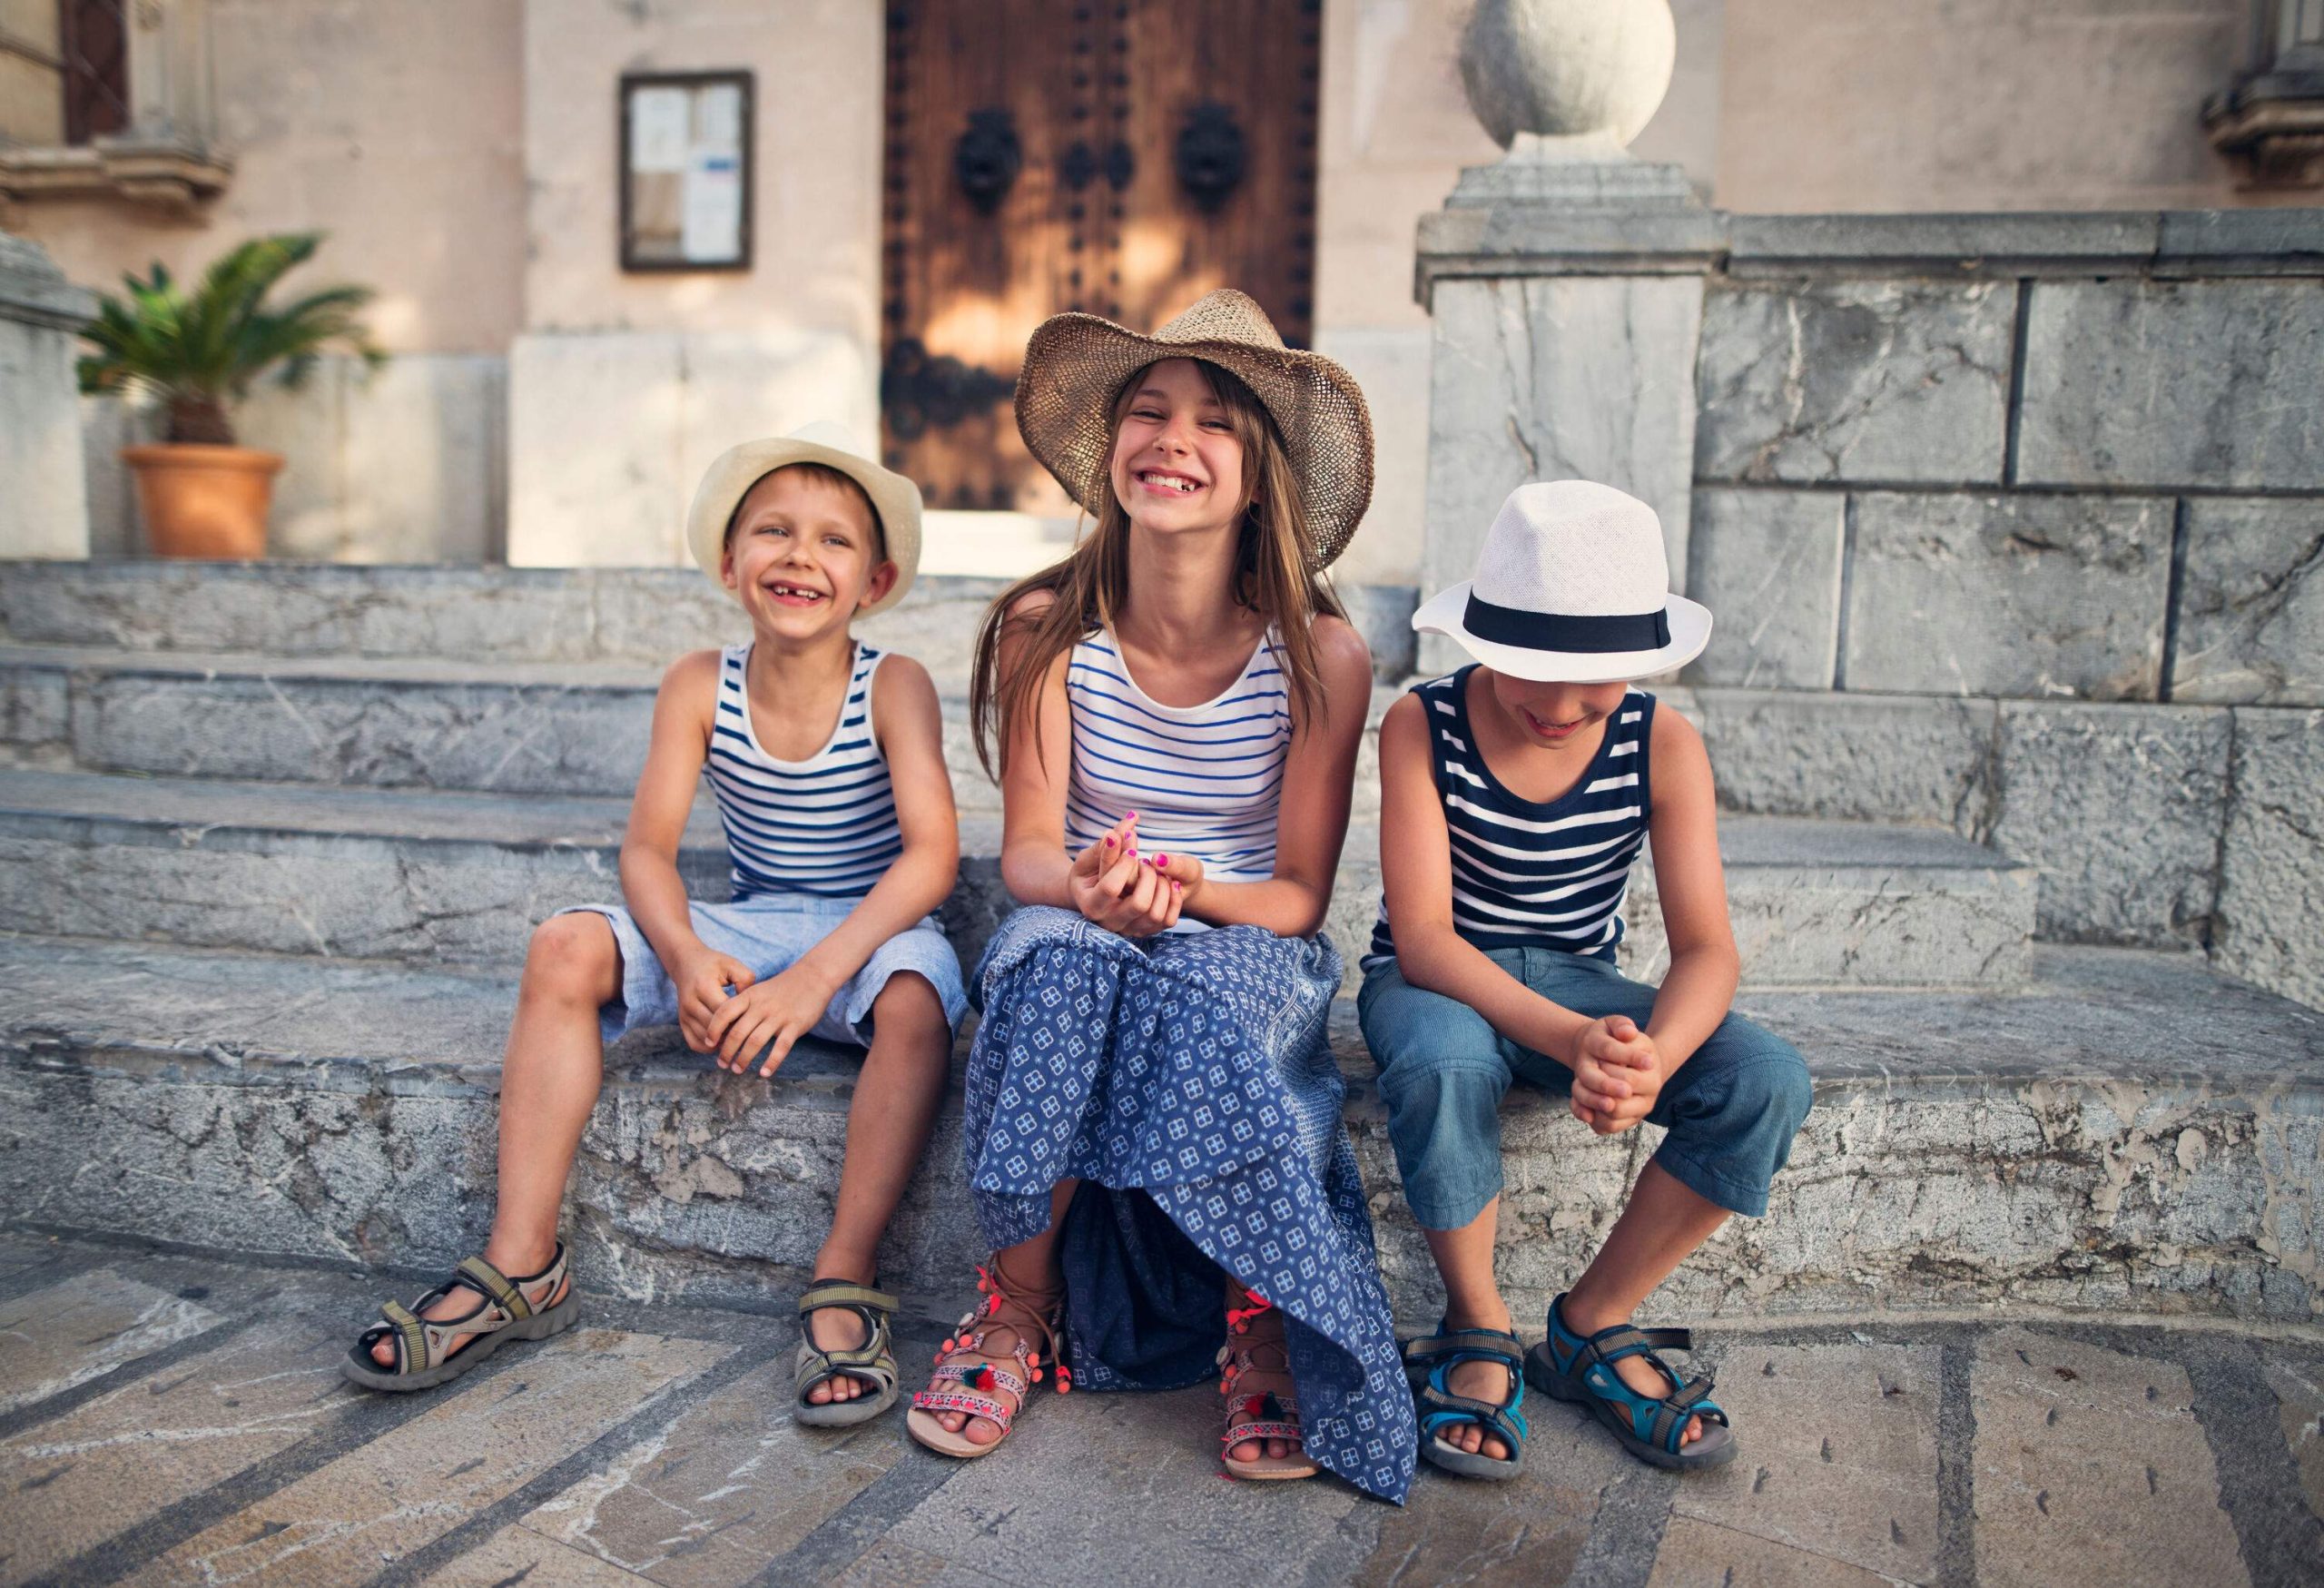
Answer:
(1273, 576)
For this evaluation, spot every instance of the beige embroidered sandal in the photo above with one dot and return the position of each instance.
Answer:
(998, 1347)
(1255, 1376)
(433, 1351)
(874, 1361)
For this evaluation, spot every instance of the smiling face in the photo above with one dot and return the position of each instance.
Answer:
(1177, 463)
(803, 553)
(1552, 716)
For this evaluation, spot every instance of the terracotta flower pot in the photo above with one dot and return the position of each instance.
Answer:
(204, 502)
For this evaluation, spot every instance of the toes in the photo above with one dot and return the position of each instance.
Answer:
(821, 1395)
(1278, 1448)
(1694, 1430)
(384, 1353)
(982, 1433)
(1249, 1450)
(952, 1422)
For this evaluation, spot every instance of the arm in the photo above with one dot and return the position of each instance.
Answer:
(908, 725)
(1683, 826)
(1318, 782)
(1416, 873)
(1036, 764)
(683, 714)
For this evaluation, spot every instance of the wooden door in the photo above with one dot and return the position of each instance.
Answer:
(1117, 156)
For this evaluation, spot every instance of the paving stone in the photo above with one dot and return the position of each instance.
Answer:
(1767, 565)
(1051, 1515)
(888, 1564)
(2205, 383)
(2252, 612)
(2121, 808)
(729, 1486)
(2009, 596)
(418, 1482)
(2299, 1404)
(77, 1480)
(71, 1332)
(2072, 1439)
(2271, 862)
(514, 1554)
(1850, 757)
(1702, 1555)
(1876, 381)
(1839, 1457)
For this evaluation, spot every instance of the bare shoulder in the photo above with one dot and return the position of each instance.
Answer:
(1341, 656)
(692, 679)
(1673, 733)
(1403, 715)
(1031, 605)
(901, 680)
(1681, 763)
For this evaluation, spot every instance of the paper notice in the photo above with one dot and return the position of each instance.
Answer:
(712, 232)
(657, 129)
(718, 120)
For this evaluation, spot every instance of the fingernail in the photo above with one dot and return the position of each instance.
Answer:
(1110, 841)
(1131, 817)
(1161, 860)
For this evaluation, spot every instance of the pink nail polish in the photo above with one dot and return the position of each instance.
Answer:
(1110, 841)
(1161, 860)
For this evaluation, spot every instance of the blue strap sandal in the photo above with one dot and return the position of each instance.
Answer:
(1428, 1360)
(1567, 1367)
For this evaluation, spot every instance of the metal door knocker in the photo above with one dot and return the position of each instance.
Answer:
(988, 158)
(919, 393)
(1210, 156)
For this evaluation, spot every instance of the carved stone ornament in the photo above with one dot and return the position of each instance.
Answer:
(1589, 72)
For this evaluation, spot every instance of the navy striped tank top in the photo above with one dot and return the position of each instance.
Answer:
(1528, 873)
(1205, 780)
(824, 827)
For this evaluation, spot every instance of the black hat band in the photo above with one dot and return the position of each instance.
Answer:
(1561, 631)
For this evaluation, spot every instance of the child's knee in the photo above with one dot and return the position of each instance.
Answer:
(574, 957)
(909, 1002)
(1771, 1087)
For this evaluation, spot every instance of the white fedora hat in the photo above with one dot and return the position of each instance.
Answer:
(1572, 587)
(733, 473)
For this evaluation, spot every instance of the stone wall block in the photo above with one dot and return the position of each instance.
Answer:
(2271, 926)
(425, 462)
(2009, 596)
(307, 518)
(2121, 807)
(594, 424)
(1879, 382)
(1853, 757)
(2252, 610)
(1767, 565)
(2208, 384)
(1556, 378)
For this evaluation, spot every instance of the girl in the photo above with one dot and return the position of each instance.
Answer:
(1153, 1133)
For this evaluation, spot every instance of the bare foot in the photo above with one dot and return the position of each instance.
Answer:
(460, 1302)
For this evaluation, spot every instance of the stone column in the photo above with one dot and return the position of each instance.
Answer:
(43, 504)
(1564, 284)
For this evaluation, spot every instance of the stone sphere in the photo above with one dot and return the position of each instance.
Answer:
(1568, 68)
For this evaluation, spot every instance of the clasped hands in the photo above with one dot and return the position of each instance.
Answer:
(1122, 890)
(1617, 1072)
(733, 1027)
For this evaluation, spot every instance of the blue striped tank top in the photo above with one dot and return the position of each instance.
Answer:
(824, 827)
(1205, 780)
(1528, 873)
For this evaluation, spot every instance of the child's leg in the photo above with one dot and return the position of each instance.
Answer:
(887, 1126)
(1443, 1074)
(1660, 1229)
(1027, 1268)
(548, 1083)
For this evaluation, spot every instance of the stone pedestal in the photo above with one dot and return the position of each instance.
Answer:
(44, 508)
(1565, 290)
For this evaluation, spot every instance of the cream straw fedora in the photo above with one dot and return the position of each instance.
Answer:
(1572, 587)
(1075, 364)
(733, 473)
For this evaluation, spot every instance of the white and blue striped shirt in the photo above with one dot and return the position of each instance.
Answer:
(1205, 780)
(1530, 874)
(824, 827)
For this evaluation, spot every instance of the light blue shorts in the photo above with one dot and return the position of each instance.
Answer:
(770, 934)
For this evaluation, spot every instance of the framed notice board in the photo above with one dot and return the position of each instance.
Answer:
(686, 171)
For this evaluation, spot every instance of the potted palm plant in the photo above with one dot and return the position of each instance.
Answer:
(198, 353)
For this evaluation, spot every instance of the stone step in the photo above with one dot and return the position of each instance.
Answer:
(492, 614)
(427, 876)
(2128, 1132)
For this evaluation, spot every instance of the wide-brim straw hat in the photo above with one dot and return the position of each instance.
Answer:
(1075, 364)
(734, 471)
(1572, 586)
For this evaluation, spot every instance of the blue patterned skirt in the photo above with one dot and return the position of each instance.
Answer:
(1186, 1082)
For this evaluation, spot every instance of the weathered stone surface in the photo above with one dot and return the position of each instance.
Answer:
(2128, 1131)
(1872, 381)
(1701, 1554)
(108, 1464)
(2271, 864)
(68, 1333)
(44, 510)
(2009, 596)
(2072, 1439)
(2252, 610)
(2161, 383)
(1991, 245)
(1556, 378)
(1841, 1438)
(415, 1484)
(2299, 1406)
(1767, 565)
(1852, 758)
(517, 1554)
(728, 1487)
(2121, 808)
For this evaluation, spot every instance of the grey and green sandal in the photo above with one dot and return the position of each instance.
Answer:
(433, 1351)
(874, 1361)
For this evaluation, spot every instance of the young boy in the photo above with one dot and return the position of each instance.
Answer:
(1514, 797)
(826, 759)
